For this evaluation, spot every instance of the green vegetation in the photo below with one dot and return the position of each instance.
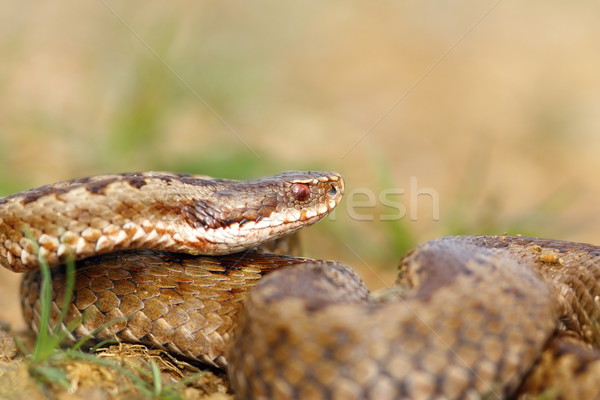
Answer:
(48, 361)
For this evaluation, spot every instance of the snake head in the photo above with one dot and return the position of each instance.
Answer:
(242, 214)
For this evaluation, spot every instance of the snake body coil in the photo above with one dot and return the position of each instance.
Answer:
(470, 317)
(474, 316)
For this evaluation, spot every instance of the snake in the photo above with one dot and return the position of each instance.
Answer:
(172, 261)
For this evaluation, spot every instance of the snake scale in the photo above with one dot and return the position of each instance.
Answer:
(170, 258)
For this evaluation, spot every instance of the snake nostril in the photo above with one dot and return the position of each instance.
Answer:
(332, 191)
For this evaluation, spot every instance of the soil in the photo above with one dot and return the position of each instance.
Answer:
(106, 376)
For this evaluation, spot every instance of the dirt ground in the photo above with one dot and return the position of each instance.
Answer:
(478, 117)
(91, 380)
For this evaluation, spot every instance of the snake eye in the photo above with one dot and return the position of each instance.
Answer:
(300, 191)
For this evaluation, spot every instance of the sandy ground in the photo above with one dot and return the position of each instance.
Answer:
(443, 118)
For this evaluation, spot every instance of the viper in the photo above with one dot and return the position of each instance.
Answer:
(172, 258)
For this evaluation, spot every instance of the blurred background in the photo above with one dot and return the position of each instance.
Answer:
(470, 117)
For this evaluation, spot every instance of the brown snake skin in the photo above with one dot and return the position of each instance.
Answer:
(180, 303)
(470, 317)
(476, 317)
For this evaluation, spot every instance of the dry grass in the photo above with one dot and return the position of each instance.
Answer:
(104, 378)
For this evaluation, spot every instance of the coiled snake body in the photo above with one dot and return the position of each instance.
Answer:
(471, 317)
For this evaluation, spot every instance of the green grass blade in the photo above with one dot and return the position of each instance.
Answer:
(99, 345)
(49, 374)
(156, 379)
(139, 383)
(105, 325)
(43, 344)
(67, 294)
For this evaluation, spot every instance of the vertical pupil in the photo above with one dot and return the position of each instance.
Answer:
(300, 191)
